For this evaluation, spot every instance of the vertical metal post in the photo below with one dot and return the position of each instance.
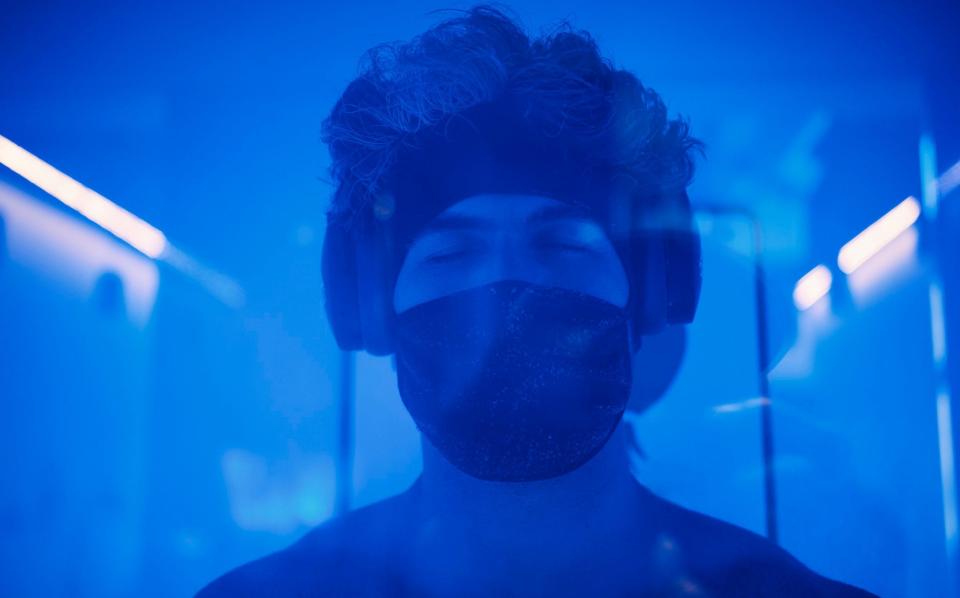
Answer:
(763, 365)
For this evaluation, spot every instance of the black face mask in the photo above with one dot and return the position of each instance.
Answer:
(513, 381)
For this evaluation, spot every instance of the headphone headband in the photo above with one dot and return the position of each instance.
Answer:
(659, 246)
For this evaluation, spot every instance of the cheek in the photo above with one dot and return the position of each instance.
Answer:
(422, 282)
(600, 276)
(407, 290)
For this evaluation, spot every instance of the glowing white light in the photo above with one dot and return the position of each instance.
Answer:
(937, 326)
(949, 180)
(742, 405)
(100, 210)
(278, 497)
(876, 236)
(928, 177)
(947, 476)
(812, 287)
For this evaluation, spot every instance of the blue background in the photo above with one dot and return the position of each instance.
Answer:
(151, 442)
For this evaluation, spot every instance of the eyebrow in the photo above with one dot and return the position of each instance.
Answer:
(543, 215)
(553, 212)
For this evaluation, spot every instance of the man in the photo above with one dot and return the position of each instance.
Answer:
(510, 221)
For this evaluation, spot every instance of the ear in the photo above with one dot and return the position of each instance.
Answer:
(683, 261)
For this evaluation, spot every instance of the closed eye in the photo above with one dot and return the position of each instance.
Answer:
(565, 245)
(569, 236)
(445, 247)
(448, 255)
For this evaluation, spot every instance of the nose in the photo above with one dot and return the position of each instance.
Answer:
(514, 260)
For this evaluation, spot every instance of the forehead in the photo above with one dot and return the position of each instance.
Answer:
(503, 210)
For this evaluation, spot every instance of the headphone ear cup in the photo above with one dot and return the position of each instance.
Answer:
(339, 271)
(375, 294)
(666, 255)
(683, 275)
(683, 268)
(651, 299)
(358, 303)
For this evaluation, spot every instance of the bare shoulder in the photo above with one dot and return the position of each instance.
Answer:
(346, 555)
(729, 560)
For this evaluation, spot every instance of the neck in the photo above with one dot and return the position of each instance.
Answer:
(596, 498)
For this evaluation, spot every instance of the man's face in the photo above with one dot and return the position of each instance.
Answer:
(499, 237)
(512, 337)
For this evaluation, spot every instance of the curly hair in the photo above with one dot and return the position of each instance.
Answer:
(559, 84)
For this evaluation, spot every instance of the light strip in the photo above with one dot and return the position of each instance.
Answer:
(928, 177)
(97, 208)
(949, 180)
(876, 236)
(741, 405)
(938, 333)
(944, 420)
(814, 285)
(947, 477)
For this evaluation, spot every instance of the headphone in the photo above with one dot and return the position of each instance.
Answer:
(656, 239)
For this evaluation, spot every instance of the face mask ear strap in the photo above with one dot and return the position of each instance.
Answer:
(650, 313)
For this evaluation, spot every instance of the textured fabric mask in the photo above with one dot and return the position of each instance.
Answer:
(513, 381)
